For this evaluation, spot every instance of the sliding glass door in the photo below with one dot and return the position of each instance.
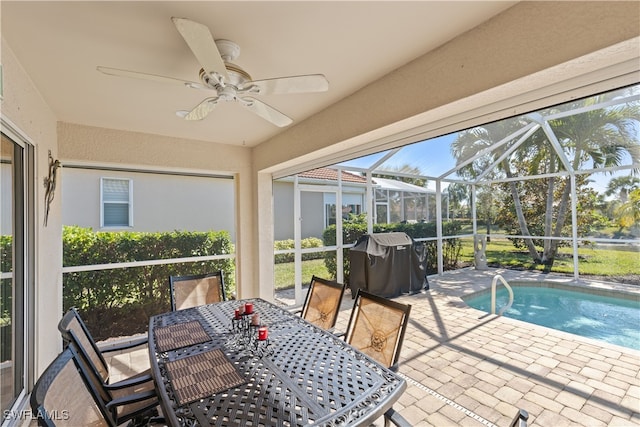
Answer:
(16, 231)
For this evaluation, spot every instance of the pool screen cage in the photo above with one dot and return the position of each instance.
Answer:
(543, 160)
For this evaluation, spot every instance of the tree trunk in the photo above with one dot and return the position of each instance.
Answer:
(533, 252)
(562, 217)
(548, 215)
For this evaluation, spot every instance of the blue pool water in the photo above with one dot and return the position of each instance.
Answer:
(614, 320)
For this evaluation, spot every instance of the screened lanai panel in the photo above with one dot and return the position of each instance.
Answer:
(559, 179)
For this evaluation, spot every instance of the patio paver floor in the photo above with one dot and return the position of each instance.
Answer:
(466, 368)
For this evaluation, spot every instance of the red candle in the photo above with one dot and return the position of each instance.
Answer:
(263, 333)
(248, 308)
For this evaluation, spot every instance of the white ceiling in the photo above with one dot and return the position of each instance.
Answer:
(352, 43)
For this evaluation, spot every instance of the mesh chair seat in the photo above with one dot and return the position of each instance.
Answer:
(117, 397)
(376, 327)
(63, 397)
(195, 290)
(322, 303)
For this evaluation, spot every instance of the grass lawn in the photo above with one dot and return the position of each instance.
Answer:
(591, 261)
(285, 274)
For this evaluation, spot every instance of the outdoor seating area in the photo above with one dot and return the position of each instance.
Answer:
(465, 367)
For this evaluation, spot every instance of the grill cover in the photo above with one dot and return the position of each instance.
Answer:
(388, 265)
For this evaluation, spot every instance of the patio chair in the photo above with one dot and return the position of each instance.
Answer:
(322, 303)
(62, 395)
(115, 396)
(376, 327)
(65, 396)
(195, 290)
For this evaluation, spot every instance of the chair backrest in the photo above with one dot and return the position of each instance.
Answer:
(322, 305)
(195, 290)
(63, 397)
(74, 330)
(377, 326)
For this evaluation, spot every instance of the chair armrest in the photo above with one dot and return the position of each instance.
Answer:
(395, 418)
(136, 380)
(125, 345)
(132, 398)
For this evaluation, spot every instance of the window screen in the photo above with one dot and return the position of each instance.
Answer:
(116, 202)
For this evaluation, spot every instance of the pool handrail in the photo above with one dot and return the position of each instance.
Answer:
(493, 294)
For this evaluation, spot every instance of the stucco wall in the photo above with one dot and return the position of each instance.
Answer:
(24, 108)
(161, 202)
(99, 146)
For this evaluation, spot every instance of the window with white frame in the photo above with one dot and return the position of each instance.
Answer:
(116, 202)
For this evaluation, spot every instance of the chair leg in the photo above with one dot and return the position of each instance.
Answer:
(520, 420)
(393, 417)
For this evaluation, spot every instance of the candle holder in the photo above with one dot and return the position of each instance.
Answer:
(249, 337)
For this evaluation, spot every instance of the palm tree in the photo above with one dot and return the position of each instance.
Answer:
(622, 185)
(481, 142)
(600, 138)
(629, 212)
(457, 194)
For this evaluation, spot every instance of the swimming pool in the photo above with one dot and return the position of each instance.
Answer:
(567, 308)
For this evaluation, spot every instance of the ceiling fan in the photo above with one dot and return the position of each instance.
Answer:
(229, 81)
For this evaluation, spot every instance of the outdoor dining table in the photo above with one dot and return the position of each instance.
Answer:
(211, 368)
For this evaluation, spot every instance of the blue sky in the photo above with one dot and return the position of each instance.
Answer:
(433, 157)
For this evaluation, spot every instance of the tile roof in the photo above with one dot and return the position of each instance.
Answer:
(332, 174)
(390, 184)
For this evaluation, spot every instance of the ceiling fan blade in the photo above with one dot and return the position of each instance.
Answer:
(145, 76)
(201, 42)
(200, 111)
(293, 84)
(266, 111)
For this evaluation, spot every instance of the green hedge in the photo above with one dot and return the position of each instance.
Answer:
(119, 301)
(356, 227)
(310, 242)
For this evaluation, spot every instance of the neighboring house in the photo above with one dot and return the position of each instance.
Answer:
(122, 200)
(395, 201)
